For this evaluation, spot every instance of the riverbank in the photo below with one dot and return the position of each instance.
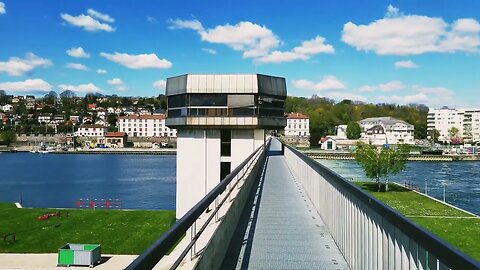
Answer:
(329, 155)
(117, 231)
(119, 151)
(458, 227)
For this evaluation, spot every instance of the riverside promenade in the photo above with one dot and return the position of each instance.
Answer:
(279, 228)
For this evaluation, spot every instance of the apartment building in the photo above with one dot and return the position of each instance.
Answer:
(145, 126)
(466, 121)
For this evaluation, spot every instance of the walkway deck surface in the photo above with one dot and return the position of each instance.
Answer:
(279, 228)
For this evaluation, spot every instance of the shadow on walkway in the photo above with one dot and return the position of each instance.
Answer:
(243, 237)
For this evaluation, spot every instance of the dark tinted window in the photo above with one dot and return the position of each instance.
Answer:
(208, 99)
(177, 101)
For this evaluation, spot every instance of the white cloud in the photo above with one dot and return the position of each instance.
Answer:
(185, 24)
(78, 52)
(344, 95)
(327, 83)
(100, 16)
(101, 71)
(392, 12)
(87, 22)
(210, 51)
(76, 66)
(303, 52)
(138, 61)
(82, 88)
(386, 87)
(405, 64)
(432, 96)
(160, 84)
(26, 86)
(115, 81)
(16, 66)
(119, 84)
(2, 8)
(399, 34)
(151, 19)
(250, 38)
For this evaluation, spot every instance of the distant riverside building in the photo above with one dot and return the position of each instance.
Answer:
(145, 126)
(91, 131)
(386, 130)
(297, 130)
(466, 121)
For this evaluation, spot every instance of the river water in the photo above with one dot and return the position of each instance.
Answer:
(52, 180)
(461, 179)
(148, 181)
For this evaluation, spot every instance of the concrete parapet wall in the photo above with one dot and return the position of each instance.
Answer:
(212, 256)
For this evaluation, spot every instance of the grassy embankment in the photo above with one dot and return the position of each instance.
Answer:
(119, 232)
(461, 229)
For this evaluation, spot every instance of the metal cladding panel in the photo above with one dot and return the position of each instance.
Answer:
(210, 83)
(251, 84)
(217, 84)
(176, 85)
(241, 84)
(202, 83)
(272, 85)
(192, 84)
(232, 86)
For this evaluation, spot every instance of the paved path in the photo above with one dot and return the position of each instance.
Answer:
(279, 228)
(49, 261)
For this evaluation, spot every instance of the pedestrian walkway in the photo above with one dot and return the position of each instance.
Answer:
(279, 228)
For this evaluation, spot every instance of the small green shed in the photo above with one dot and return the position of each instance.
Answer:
(79, 254)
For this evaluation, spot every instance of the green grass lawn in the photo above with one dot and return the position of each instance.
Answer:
(455, 226)
(118, 231)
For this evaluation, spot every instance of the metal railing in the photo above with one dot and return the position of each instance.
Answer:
(208, 208)
(370, 234)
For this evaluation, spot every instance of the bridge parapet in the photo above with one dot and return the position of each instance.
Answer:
(204, 233)
(370, 234)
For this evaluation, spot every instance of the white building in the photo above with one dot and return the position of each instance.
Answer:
(466, 121)
(145, 126)
(342, 132)
(386, 130)
(297, 130)
(7, 108)
(91, 131)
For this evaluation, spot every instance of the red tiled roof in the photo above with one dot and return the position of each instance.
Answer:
(322, 140)
(297, 116)
(115, 134)
(136, 116)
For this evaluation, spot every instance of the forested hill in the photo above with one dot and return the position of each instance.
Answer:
(325, 114)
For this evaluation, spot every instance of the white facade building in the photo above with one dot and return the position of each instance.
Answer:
(386, 130)
(466, 121)
(145, 126)
(297, 125)
(91, 131)
(297, 131)
(6, 107)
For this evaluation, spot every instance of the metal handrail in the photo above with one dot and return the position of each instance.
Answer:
(444, 251)
(169, 239)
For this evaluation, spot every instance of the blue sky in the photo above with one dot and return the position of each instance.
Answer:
(374, 51)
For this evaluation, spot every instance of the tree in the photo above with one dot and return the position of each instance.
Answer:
(112, 119)
(454, 135)
(379, 164)
(8, 137)
(353, 130)
(67, 94)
